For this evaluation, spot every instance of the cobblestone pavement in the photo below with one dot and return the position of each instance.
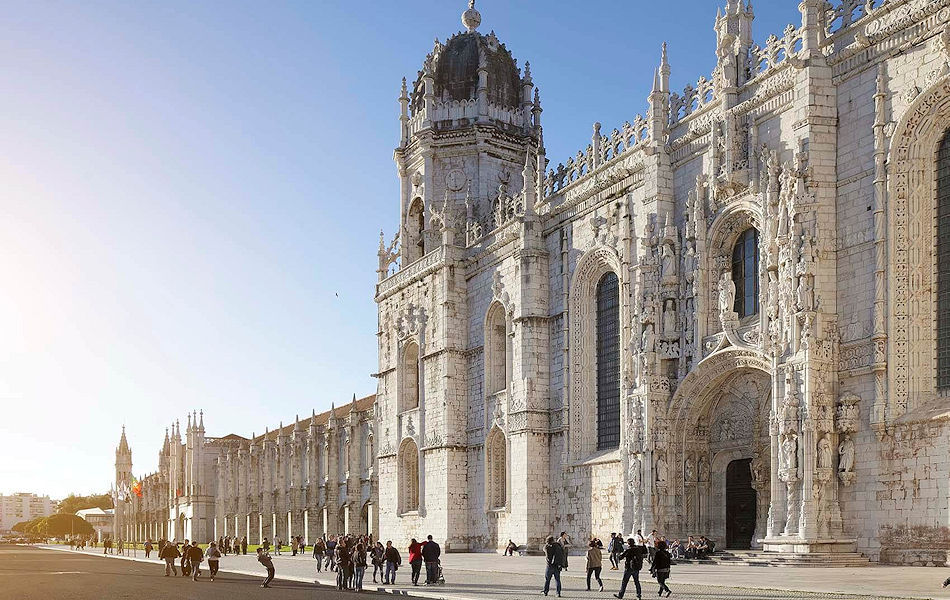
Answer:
(478, 576)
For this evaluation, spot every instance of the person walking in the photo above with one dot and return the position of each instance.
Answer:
(319, 550)
(554, 559)
(359, 566)
(415, 560)
(632, 563)
(214, 556)
(378, 552)
(344, 566)
(185, 559)
(244, 545)
(431, 551)
(266, 546)
(595, 560)
(661, 567)
(277, 544)
(331, 554)
(169, 553)
(652, 539)
(293, 546)
(265, 559)
(393, 560)
(195, 556)
(148, 547)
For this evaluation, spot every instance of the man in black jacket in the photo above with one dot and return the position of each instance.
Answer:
(555, 560)
(265, 559)
(632, 563)
(430, 554)
(195, 556)
(169, 553)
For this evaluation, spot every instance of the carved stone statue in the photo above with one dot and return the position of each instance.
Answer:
(846, 456)
(661, 470)
(649, 338)
(689, 470)
(790, 453)
(668, 261)
(805, 294)
(703, 469)
(824, 453)
(669, 318)
(727, 293)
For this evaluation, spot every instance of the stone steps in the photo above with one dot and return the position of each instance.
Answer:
(753, 558)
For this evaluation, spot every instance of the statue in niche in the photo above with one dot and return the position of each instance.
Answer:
(703, 469)
(805, 293)
(790, 453)
(757, 468)
(689, 469)
(669, 318)
(846, 456)
(649, 338)
(824, 453)
(661, 469)
(727, 293)
(668, 261)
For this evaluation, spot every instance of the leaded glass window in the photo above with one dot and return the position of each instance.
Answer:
(608, 362)
(943, 263)
(745, 273)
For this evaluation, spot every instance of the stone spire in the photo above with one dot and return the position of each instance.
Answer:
(123, 444)
(201, 421)
(471, 18)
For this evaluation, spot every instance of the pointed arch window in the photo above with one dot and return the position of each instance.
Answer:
(608, 362)
(410, 372)
(414, 244)
(943, 262)
(745, 273)
(496, 465)
(409, 466)
(496, 350)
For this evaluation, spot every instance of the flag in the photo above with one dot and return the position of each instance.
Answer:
(136, 487)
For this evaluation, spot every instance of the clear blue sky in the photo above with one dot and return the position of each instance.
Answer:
(191, 194)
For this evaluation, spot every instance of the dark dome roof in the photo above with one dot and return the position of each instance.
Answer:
(455, 66)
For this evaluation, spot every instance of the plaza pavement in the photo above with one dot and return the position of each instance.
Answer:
(481, 576)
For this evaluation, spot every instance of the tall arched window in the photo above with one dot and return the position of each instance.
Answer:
(414, 243)
(745, 272)
(943, 263)
(496, 350)
(410, 372)
(409, 465)
(496, 466)
(608, 362)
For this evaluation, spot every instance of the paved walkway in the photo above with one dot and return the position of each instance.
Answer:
(484, 576)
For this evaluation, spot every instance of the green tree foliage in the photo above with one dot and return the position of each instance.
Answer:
(72, 503)
(59, 525)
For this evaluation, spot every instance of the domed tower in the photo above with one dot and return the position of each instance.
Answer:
(471, 164)
(469, 123)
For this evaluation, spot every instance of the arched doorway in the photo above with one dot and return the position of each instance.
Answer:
(740, 504)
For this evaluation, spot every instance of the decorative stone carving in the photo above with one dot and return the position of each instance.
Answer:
(669, 318)
(689, 470)
(703, 468)
(847, 413)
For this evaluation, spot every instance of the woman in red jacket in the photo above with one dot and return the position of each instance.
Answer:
(415, 560)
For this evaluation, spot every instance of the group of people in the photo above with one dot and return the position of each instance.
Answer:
(347, 555)
(693, 549)
(631, 554)
(230, 544)
(191, 556)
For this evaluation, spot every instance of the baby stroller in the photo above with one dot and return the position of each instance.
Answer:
(440, 577)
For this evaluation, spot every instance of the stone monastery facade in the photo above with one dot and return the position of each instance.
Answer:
(314, 476)
(730, 316)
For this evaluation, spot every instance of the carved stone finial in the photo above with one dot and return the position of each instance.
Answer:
(471, 18)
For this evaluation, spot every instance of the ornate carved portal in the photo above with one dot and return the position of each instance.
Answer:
(720, 418)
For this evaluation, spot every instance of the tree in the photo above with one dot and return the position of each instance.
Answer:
(72, 503)
(26, 526)
(61, 525)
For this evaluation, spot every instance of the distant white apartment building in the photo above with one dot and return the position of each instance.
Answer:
(15, 508)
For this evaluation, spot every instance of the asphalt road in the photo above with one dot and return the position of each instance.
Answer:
(28, 573)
